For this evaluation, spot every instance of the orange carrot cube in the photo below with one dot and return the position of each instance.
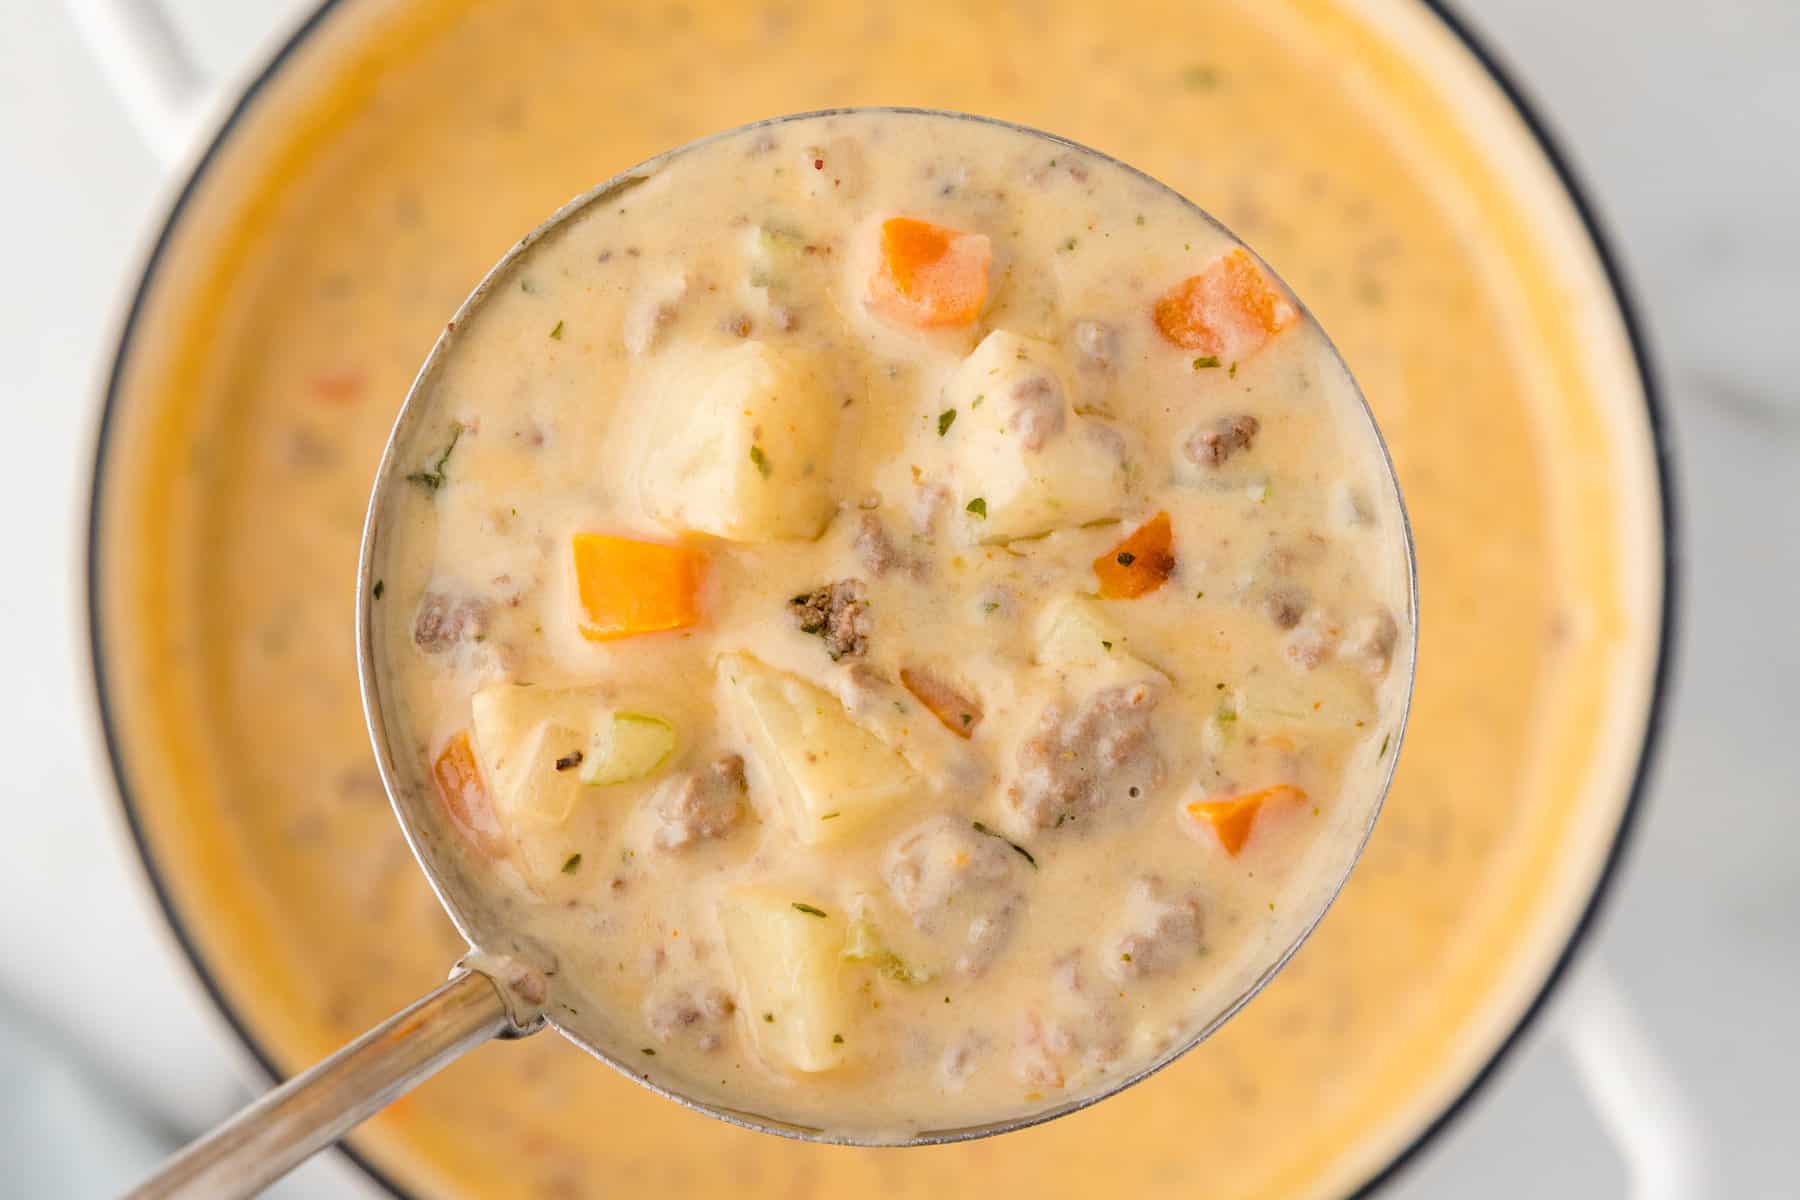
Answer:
(1233, 817)
(1230, 309)
(1139, 564)
(464, 795)
(930, 276)
(627, 587)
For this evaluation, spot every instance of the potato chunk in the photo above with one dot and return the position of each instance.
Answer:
(786, 953)
(830, 777)
(1022, 461)
(1076, 637)
(520, 733)
(739, 442)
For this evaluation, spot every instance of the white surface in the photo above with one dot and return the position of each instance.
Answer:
(1685, 119)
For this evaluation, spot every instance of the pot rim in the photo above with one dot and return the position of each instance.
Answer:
(242, 93)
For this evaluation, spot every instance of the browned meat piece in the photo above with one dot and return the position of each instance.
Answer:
(1037, 410)
(1371, 641)
(445, 621)
(1158, 932)
(706, 803)
(838, 613)
(1096, 344)
(875, 547)
(1286, 604)
(1078, 1029)
(1211, 447)
(942, 870)
(704, 1013)
(1312, 640)
(1080, 760)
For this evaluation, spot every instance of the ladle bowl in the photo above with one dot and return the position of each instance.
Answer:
(506, 986)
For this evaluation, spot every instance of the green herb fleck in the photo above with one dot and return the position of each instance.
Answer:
(828, 816)
(808, 909)
(769, 1017)
(1206, 362)
(1124, 958)
(946, 419)
(1126, 558)
(968, 719)
(649, 1051)
(991, 606)
(978, 506)
(976, 403)
(1382, 753)
(379, 588)
(1070, 244)
(1107, 644)
(572, 864)
(569, 762)
(1232, 374)
(761, 461)
(837, 1039)
(556, 332)
(1199, 595)
(1140, 218)
(1023, 852)
(433, 479)
(1200, 78)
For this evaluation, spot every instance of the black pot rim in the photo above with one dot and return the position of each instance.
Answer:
(1655, 416)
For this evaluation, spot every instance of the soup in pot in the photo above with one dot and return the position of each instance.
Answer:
(396, 156)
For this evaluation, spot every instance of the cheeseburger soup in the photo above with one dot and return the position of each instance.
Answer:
(909, 614)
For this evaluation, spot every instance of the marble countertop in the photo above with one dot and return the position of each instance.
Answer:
(1684, 120)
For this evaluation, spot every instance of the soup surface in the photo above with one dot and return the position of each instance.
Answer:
(901, 610)
(396, 159)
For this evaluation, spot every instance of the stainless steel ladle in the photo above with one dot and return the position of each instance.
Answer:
(496, 990)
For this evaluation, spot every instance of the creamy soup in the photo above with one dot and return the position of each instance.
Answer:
(399, 156)
(907, 612)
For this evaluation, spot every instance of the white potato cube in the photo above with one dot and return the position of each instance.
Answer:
(1020, 455)
(520, 731)
(739, 441)
(830, 777)
(788, 964)
(1076, 637)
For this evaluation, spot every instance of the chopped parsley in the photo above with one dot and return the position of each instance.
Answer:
(649, 1051)
(1106, 644)
(761, 461)
(769, 1017)
(1070, 244)
(837, 1039)
(808, 909)
(968, 719)
(556, 333)
(828, 816)
(379, 588)
(990, 606)
(1206, 362)
(1023, 852)
(1232, 374)
(1382, 753)
(1126, 558)
(569, 761)
(433, 479)
(1124, 958)
(572, 864)
(1140, 218)
(946, 419)
(977, 506)
(976, 402)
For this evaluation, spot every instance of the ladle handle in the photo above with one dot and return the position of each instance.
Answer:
(314, 1109)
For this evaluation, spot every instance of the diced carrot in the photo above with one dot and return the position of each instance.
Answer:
(1233, 817)
(464, 795)
(628, 587)
(959, 713)
(1139, 564)
(930, 275)
(1230, 308)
